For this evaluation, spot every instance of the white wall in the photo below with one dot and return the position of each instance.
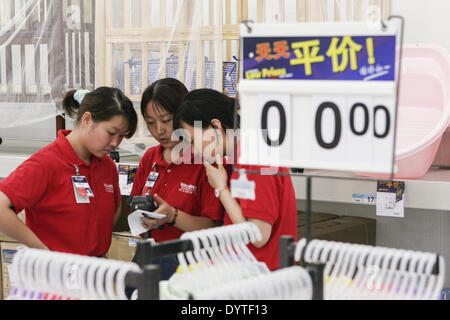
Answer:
(426, 21)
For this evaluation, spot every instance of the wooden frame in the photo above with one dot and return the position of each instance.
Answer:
(67, 46)
(124, 35)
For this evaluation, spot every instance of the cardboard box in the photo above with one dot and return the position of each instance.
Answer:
(8, 249)
(315, 217)
(343, 229)
(123, 246)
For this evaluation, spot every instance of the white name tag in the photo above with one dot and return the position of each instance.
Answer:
(151, 180)
(242, 188)
(81, 189)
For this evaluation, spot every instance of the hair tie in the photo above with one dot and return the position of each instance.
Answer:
(79, 95)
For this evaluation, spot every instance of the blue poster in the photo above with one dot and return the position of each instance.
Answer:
(320, 58)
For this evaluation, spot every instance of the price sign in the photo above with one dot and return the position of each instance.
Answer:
(318, 96)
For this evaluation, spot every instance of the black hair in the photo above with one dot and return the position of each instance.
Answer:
(205, 105)
(166, 94)
(103, 103)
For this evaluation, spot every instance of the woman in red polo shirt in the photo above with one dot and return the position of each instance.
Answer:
(273, 209)
(169, 174)
(70, 188)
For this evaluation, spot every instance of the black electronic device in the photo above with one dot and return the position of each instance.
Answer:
(145, 203)
(115, 155)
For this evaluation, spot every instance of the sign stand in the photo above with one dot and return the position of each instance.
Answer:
(310, 176)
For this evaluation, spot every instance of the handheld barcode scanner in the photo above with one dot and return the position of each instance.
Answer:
(146, 203)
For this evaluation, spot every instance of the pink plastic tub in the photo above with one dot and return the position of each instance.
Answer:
(423, 109)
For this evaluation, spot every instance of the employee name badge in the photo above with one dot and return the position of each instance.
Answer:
(152, 177)
(242, 188)
(81, 189)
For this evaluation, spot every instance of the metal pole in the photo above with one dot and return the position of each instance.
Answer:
(149, 288)
(308, 209)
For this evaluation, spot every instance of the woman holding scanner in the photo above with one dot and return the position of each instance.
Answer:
(179, 187)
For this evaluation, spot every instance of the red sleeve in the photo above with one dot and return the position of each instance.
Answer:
(117, 193)
(266, 203)
(210, 206)
(26, 185)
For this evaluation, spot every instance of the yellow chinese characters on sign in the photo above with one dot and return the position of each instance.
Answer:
(306, 54)
(342, 51)
(347, 50)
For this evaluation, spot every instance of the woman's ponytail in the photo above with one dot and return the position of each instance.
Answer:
(69, 104)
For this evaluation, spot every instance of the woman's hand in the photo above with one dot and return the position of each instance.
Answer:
(163, 208)
(217, 177)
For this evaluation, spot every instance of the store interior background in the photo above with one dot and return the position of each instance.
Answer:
(426, 225)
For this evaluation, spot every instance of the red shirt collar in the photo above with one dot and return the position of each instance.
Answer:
(67, 151)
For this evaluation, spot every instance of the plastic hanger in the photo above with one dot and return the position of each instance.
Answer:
(332, 265)
(211, 260)
(237, 240)
(432, 289)
(414, 291)
(61, 291)
(204, 251)
(228, 245)
(348, 276)
(357, 282)
(100, 279)
(250, 233)
(107, 285)
(120, 278)
(394, 274)
(241, 240)
(69, 277)
(311, 253)
(83, 281)
(16, 292)
(324, 251)
(198, 270)
(27, 277)
(409, 280)
(301, 244)
(215, 247)
(93, 273)
(372, 280)
(345, 290)
(254, 232)
(193, 261)
(221, 246)
(39, 278)
(340, 267)
(209, 256)
(379, 255)
(387, 259)
(439, 280)
(399, 274)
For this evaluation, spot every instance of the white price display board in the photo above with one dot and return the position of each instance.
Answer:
(320, 96)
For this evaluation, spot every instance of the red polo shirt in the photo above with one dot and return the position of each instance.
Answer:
(274, 203)
(184, 186)
(42, 186)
